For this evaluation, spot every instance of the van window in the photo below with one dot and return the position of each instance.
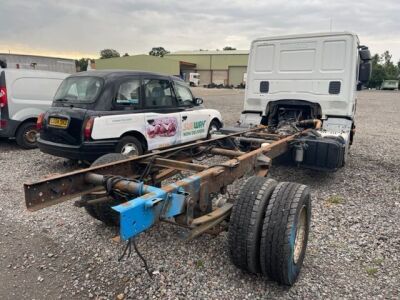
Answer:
(79, 89)
(128, 94)
(158, 93)
(183, 95)
(35, 88)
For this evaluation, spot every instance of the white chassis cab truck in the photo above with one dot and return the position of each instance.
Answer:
(194, 79)
(307, 80)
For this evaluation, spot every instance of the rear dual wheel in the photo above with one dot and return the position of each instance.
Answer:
(269, 228)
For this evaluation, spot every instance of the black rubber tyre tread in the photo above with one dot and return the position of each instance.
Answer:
(246, 222)
(20, 136)
(129, 139)
(103, 211)
(281, 217)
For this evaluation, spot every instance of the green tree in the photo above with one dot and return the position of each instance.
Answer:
(82, 64)
(387, 58)
(126, 54)
(383, 69)
(109, 53)
(228, 48)
(158, 51)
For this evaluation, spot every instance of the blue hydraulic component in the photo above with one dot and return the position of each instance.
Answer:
(139, 214)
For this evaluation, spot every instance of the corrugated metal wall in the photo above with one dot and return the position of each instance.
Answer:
(218, 67)
(15, 61)
(140, 62)
(220, 77)
(205, 77)
(236, 75)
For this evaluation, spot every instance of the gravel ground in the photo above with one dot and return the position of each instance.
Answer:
(354, 249)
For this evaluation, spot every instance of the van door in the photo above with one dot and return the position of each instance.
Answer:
(162, 118)
(195, 121)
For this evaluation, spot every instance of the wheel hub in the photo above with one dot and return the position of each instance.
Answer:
(300, 234)
(129, 149)
(30, 136)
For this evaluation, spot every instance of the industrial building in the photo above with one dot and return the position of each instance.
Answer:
(141, 62)
(34, 62)
(219, 67)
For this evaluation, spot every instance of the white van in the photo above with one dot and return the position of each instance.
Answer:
(24, 94)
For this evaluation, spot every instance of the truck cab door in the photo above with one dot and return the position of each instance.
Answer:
(162, 115)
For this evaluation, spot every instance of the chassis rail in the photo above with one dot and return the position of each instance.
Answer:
(188, 199)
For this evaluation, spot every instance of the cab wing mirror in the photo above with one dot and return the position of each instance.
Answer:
(365, 72)
(198, 101)
(365, 68)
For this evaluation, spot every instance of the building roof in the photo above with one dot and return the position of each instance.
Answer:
(38, 56)
(212, 52)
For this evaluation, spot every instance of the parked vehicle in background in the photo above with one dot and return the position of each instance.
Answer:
(98, 112)
(194, 79)
(25, 94)
(390, 85)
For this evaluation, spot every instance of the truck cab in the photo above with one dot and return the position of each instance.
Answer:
(194, 79)
(306, 77)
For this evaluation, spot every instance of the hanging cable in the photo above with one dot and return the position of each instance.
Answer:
(128, 251)
(142, 258)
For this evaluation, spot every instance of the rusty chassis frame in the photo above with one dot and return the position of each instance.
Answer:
(186, 202)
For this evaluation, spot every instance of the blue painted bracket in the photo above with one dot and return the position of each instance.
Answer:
(141, 213)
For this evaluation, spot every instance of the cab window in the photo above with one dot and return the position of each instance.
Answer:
(183, 95)
(128, 94)
(79, 89)
(158, 93)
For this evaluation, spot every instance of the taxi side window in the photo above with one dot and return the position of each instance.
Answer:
(158, 93)
(183, 95)
(128, 94)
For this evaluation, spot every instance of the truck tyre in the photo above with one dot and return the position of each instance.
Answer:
(285, 232)
(103, 211)
(129, 145)
(246, 222)
(26, 135)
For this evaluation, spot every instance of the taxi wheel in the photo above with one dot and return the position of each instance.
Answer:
(214, 126)
(129, 145)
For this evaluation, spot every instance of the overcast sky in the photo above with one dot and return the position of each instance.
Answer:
(83, 28)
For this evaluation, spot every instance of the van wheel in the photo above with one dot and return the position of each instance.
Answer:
(103, 211)
(26, 135)
(129, 145)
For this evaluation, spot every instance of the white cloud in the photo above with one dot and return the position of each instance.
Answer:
(134, 26)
